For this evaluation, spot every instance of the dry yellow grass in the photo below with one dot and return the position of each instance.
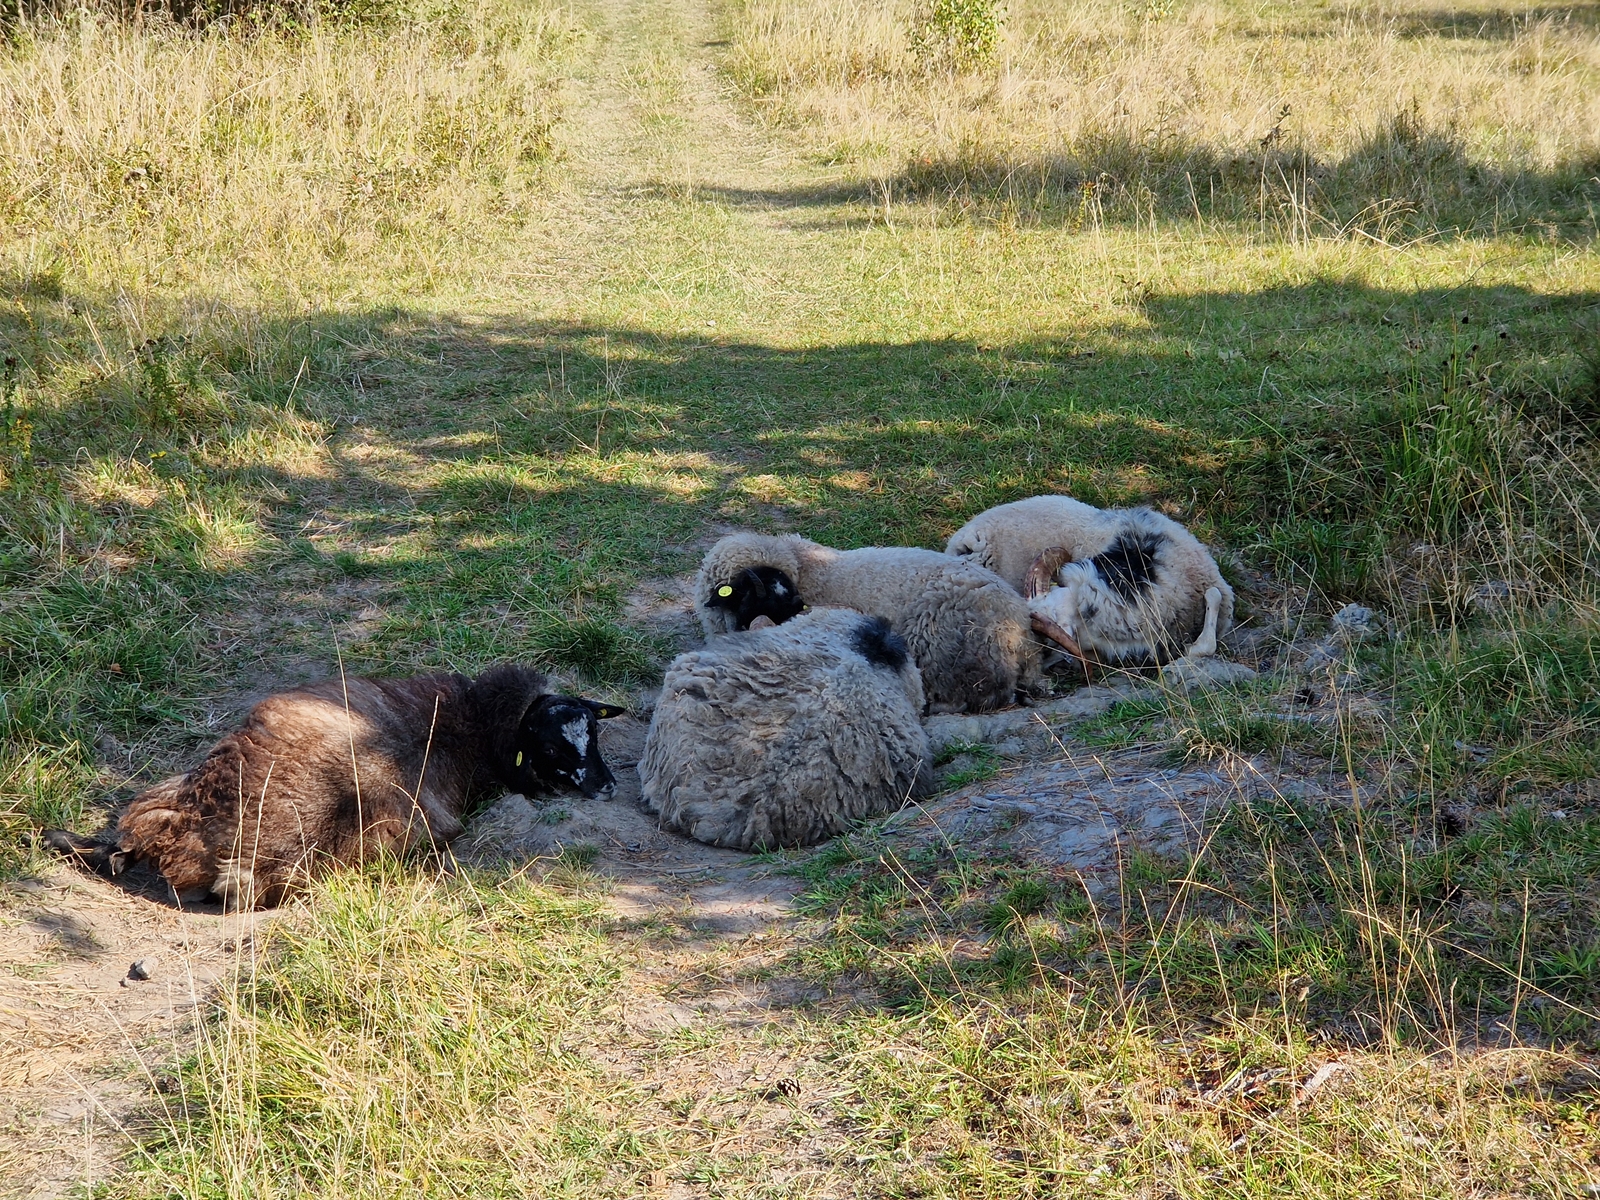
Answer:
(139, 159)
(1099, 85)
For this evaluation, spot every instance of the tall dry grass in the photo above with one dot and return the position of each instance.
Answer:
(1401, 104)
(140, 156)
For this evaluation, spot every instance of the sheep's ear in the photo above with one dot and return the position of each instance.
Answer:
(604, 712)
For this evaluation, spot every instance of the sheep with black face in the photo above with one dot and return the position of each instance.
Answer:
(784, 736)
(339, 771)
(968, 632)
(756, 592)
(1120, 586)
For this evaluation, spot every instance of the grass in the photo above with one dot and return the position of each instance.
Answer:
(424, 342)
(1472, 120)
(443, 1007)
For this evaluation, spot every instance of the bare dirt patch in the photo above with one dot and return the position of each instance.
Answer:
(82, 1044)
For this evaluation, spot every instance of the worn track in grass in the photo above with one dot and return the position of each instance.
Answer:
(647, 126)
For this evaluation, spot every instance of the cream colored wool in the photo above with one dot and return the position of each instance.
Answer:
(1160, 624)
(969, 632)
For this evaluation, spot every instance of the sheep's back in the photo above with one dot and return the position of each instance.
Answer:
(315, 776)
(969, 632)
(782, 737)
(1007, 538)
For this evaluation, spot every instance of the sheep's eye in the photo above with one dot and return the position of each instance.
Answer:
(519, 758)
(724, 591)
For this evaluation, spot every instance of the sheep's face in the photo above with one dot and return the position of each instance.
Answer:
(558, 747)
(758, 592)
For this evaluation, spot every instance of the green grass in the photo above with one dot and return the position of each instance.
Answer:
(436, 365)
(408, 1035)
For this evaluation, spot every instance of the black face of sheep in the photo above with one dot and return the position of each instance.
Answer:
(558, 748)
(759, 592)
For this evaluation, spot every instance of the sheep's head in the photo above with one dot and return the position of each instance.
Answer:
(757, 592)
(557, 747)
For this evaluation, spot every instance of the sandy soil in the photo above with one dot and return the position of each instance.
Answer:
(81, 1043)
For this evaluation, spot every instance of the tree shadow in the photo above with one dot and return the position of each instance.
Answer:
(1404, 181)
(1496, 24)
(493, 487)
(420, 492)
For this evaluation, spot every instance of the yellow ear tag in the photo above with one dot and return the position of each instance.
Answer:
(724, 591)
(519, 758)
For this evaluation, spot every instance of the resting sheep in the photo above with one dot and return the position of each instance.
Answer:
(783, 736)
(969, 633)
(1123, 586)
(344, 769)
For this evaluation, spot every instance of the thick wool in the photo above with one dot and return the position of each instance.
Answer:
(1135, 590)
(970, 633)
(785, 736)
(342, 771)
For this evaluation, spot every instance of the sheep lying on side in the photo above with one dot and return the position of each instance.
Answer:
(969, 633)
(783, 736)
(341, 770)
(1135, 587)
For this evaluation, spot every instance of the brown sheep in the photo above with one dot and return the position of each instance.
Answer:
(340, 771)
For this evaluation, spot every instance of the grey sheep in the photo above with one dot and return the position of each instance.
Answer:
(1123, 586)
(969, 633)
(343, 770)
(783, 736)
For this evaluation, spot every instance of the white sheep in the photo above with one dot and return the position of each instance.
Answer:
(1122, 586)
(783, 736)
(970, 634)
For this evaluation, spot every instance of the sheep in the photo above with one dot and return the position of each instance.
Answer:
(969, 633)
(336, 772)
(783, 736)
(1135, 587)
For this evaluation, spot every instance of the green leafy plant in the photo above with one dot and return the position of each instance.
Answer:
(960, 35)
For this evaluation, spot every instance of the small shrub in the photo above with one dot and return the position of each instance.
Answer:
(16, 431)
(959, 35)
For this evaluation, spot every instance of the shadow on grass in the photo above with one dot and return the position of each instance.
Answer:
(1405, 182)
(1496, 24)
(233, 508)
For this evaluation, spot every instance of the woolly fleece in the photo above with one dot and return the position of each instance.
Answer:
(969, 632)
(1158, 626)
(784, 736)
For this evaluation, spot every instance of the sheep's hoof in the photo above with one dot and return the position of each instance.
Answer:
(1041, 576)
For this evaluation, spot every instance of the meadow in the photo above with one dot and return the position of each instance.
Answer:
(391, 338)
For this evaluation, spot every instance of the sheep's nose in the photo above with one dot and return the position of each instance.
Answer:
(606, 792)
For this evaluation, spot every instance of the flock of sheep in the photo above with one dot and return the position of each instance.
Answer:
(802, 714)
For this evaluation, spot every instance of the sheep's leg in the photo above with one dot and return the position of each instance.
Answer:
(1063, 639)
(1206, 644)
